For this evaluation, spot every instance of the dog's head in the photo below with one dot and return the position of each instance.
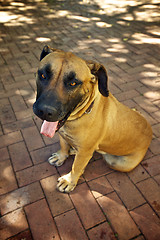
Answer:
(64, 81)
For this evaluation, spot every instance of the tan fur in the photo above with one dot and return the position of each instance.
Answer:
(121, 134)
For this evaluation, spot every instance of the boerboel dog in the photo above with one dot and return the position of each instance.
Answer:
(73, 99)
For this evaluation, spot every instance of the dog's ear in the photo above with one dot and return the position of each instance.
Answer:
(100, 72)
(46, 50)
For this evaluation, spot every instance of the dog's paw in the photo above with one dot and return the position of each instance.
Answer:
(66, 183)
(56, 159)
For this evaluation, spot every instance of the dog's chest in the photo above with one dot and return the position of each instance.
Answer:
(66, 133)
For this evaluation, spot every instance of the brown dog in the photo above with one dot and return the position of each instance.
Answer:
(73, 99)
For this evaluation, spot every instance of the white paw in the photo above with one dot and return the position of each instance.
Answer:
(66, 183)
(56, 159)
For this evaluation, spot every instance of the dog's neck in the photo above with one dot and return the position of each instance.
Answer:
(85, 107)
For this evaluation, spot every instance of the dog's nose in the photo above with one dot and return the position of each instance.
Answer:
(45, 112)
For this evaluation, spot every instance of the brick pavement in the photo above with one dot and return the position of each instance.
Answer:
(106, 204)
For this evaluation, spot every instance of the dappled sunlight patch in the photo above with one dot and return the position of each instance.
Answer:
(4, 50)
(140, 38)
(89, 41)
(128, 17)
(113, 40)
(101, 12)
(152, 67)
(103, 24)
(125, 23)
(29, 95)
(146, 16)
(120, 59)
(7, 172)
(31, 100)
(17, 4)
(95, 19)
(51, 14)
(13, 223)
(17, 14)
(155, 31)
(118, 45)
(106, 55)
(114, 50)
(147, 13)
(152, 95)
(6, 17)
(29, 7)
(10, 19)
(97, 41)
(80, 18)
(62, 13)
(152, 83)
(111, 7)
(22, 37)
(149, 74)
(43, 39)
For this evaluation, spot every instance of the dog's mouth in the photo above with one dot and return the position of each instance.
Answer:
(48, 129)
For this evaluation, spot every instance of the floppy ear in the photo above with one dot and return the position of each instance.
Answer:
(100, 72)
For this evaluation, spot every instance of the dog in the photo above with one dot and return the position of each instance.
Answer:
(73, 99)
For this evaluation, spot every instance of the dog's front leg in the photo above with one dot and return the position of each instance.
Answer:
(58, 158)
(69, 181)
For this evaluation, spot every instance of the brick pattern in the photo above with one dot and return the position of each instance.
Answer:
(20, 197)
(70, 227)
(106, 204)
(58, 203)
(120, 182)
(7, 177)
(118, 216)
(41, 221)
(147, 221)
(13, 223)
(94, 214)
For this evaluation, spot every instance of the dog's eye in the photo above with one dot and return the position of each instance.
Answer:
(73, 84)
(43, 76)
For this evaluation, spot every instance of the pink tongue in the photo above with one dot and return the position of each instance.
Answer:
(48, 128)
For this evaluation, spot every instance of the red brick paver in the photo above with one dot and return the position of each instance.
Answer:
(102, 231)
(70, 227)
(147, 221)
(152, 196)
(106, 204)
(120, 182)
(7, 177)
(19, 156)
(13, 223)
(94, 214)
(118, 216)
(41, 221)
(58, 203)
(20, 197)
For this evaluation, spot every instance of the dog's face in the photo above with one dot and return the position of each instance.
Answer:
(63, 82)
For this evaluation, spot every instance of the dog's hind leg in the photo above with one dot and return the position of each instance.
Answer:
(58, 158)
(124, 163)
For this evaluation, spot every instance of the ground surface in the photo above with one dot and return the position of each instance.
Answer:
(123, 35)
